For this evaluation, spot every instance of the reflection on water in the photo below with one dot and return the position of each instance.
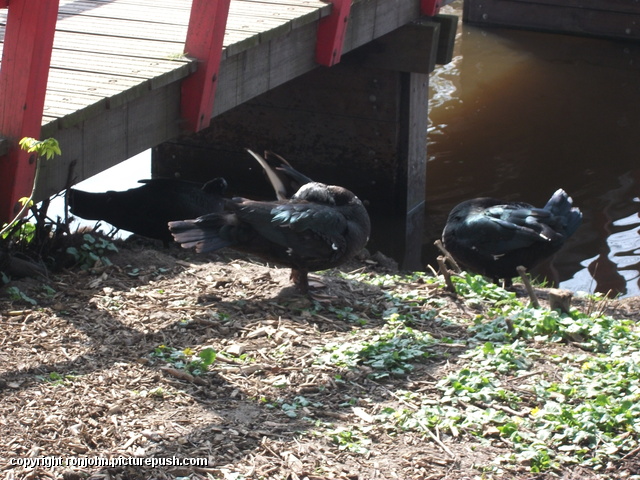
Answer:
(517, 115)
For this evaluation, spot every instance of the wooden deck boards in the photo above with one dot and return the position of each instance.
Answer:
(110, 51)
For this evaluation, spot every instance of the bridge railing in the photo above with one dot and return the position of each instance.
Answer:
(26, 57)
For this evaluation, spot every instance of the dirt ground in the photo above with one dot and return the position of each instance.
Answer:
(79, 378)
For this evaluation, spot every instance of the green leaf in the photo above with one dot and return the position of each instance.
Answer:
(208, 356)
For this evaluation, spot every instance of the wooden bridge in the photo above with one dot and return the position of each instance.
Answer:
(111, 78)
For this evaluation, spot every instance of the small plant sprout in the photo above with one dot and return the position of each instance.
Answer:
(92, 252)
(186, 359)
(43, 149)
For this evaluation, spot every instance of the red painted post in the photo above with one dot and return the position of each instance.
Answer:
(24, 71)
(430, 7)
(331, 33)
(207, 24)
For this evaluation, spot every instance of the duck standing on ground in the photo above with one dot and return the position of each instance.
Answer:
(492, 237)
(319, 227)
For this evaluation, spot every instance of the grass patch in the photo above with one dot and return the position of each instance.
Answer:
(559, 389)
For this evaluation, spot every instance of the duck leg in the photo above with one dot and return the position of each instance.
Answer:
(300, 279)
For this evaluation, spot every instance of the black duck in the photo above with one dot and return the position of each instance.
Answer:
(492, 237)
(319, 227)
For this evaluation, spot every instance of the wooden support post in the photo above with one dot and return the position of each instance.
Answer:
(331, 33)
(24, 72)
(207, 25)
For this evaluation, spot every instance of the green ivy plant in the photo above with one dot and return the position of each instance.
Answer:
(47, 149)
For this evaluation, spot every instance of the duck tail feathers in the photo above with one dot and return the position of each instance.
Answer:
(561, 205)
(203, 235)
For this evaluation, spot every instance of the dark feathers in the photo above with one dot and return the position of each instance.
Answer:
(145, 210)
(319, 227)
(285, 179)
(492, 237)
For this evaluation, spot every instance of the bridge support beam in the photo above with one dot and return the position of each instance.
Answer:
(331, 32)
(361, 124)
(24, 72)
(207, 24)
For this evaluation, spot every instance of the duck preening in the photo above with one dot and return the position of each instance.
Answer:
(492, 237)
(145, 210)
(284, 179)
(319, 227)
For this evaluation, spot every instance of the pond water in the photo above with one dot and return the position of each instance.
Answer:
(517, 115)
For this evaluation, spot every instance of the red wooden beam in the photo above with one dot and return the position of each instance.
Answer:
(430, 7)
(331, 33)
(24, 71)
(207, 24)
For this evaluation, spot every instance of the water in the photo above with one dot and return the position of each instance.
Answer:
(519, 114)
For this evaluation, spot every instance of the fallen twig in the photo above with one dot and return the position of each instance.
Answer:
(447, 255)
(445, 273)
(527, 284)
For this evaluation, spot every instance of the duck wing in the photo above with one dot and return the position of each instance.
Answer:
(503, 228)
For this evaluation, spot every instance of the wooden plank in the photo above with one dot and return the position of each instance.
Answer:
(410, 48)
(155, 13)
(547, 17)
(130, 47)
(71, 109)
(239, 29)
(153, 119)
(288, 60)
(144, 68)
(257, 18)
(107, 139)
(360, 26)
(374, 18)
(414, 120)
(241, 78)
(113, 27)
(625, 6)
(447, 40)
(101, 85)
